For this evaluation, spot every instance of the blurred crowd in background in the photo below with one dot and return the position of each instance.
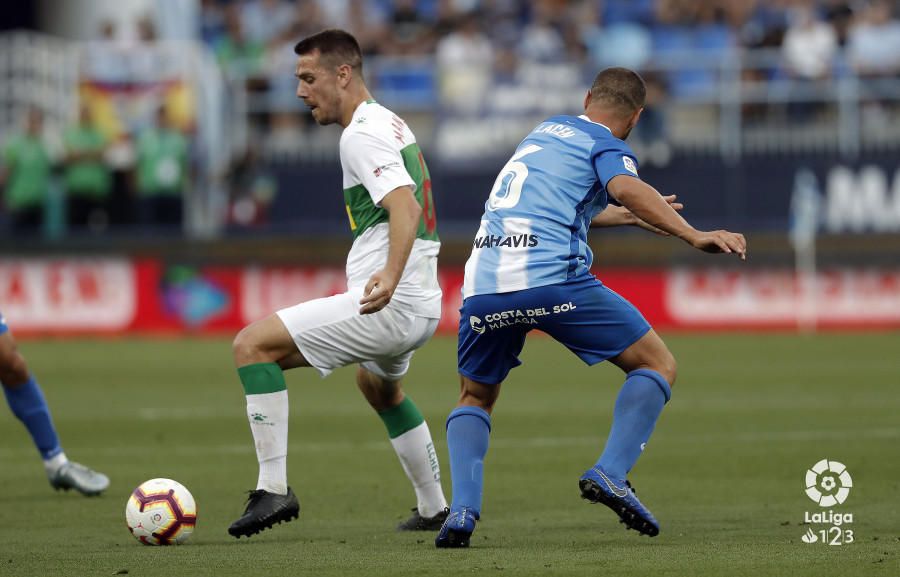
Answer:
(438, 62)
(481, 43)
(94, 190)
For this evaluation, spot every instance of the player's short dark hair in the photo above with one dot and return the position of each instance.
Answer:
(620, 89)
(336, 46)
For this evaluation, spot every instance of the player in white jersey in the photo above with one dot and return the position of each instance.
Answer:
(531, 269)
(393, 300)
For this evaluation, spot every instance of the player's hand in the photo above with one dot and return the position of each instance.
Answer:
(647, 226)
(671, 198)
(721, 241)
(378, 292)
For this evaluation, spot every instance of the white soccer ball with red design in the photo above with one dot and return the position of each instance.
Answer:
(161, 512)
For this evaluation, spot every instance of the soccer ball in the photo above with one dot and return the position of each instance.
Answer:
(161, 512)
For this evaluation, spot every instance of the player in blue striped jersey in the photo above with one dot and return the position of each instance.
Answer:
(530, 269)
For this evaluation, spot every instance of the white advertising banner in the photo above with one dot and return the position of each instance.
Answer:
(69, 294)
(843, 297)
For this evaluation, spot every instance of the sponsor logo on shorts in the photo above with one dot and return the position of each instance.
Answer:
(508, 318)
(513, 241)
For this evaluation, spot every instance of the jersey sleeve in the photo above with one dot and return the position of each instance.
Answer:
(376, 164)
(613, 161)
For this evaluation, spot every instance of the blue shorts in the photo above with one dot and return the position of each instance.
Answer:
(3, 326)
(588, 318)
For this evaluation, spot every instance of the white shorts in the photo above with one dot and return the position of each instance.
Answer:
(330, 333)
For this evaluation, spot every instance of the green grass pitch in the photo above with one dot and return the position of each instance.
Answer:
(724, 472)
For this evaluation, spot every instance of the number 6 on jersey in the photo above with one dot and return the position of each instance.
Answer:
(508, 187)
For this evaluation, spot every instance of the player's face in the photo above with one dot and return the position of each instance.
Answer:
(317, 86)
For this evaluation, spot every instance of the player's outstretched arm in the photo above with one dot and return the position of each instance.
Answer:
(647, 204)
(619, 216)
(405, 212)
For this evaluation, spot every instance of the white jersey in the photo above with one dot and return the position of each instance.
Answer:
(379, 153)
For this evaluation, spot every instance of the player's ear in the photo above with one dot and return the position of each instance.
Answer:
(587, 99)
(637, 116)
(344, 74)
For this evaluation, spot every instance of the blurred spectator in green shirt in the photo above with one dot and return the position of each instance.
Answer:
(87, 177)
(162, 171)
(26, 175)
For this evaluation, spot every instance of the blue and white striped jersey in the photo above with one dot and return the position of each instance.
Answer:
(535, 223)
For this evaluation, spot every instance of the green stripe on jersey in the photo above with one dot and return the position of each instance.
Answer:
(363, 213)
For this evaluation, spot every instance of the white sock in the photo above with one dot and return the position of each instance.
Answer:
(268, 416)
(53, 464)
(416, 451)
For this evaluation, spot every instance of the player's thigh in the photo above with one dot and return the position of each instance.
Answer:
(590, 319)
(490, 338)
(394, 366)
(330, 332)
(265, 341)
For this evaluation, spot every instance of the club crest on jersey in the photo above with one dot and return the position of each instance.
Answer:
(629, 165)
(513, 241)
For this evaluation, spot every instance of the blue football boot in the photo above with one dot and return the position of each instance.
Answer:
(457, 529)
(617, 494)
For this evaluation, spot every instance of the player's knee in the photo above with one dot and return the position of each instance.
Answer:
(13, 369)
(477, 394)
(381, 393)
(246, 348)
(668, 368)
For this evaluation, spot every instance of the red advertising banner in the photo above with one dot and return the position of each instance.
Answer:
(121, 296)
(780, 299)
(68, 294)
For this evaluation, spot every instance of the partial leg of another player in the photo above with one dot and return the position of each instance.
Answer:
(261, 351)
(411, 440)
(27, 402)
(651, 371)
(468, 435)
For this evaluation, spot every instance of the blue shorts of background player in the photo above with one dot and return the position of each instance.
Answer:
(585, 316)
(26, 400)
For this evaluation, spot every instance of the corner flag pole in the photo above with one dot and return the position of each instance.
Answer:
(804, 228)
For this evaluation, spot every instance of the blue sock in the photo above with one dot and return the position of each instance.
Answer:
(468, 431)
(28, 404)
(640, 402)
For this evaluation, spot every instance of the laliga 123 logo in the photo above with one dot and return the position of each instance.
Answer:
(828, 483)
